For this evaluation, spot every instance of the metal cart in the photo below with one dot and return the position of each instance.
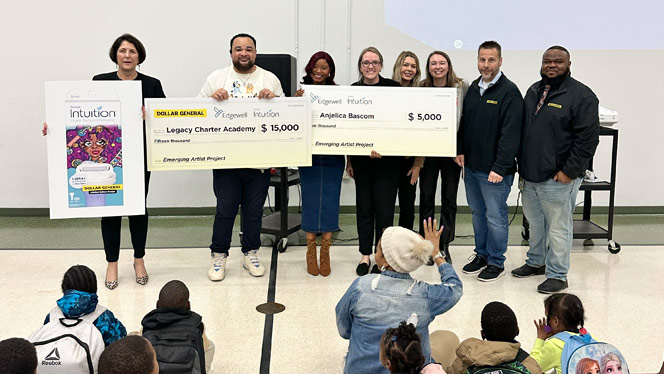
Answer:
(585, 228)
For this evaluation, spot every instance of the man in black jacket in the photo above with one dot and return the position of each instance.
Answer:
(488, 141)
(560, 134)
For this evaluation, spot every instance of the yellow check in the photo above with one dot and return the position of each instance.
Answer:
(202, 133)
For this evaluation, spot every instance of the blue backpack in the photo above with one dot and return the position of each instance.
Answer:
(584, 350)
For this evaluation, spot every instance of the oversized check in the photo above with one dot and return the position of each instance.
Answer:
(203, 133)
(394, 121)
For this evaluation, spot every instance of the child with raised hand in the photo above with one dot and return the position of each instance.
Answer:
(401, 352)
(564, 312)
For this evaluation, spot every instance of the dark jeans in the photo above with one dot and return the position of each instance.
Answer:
(376, 183)
(406, 194)
(234, 188)
(111, 227)
(450, 173)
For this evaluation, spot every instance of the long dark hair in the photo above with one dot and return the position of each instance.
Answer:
(320, 55)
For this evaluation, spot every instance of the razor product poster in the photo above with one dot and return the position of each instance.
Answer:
(95, 148)
(187, 134)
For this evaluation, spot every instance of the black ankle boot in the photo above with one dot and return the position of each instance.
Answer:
(446, 250)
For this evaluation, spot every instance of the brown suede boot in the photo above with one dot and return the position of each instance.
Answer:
(312, 261)
(325, 257)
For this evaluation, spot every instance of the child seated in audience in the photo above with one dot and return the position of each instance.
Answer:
(401, 352)
(174, 316)
(564, 312)
(79, 288)
(130, 355)
(17, 356)
(497, 346)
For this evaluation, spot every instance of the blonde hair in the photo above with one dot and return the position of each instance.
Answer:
(359, 60)
(452, 79)
(396, 73)
(608, 357)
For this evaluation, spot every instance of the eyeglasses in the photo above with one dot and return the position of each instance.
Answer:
(372, 63)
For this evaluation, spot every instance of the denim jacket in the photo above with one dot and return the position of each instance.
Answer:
(373, 303)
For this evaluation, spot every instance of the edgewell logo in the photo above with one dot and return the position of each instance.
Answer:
(326, 102)
(217, 112)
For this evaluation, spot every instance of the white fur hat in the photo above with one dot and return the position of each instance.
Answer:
(404, 250)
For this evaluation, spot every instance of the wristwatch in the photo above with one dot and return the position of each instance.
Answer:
(438, 255)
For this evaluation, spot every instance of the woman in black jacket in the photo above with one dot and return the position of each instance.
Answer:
(376, 177)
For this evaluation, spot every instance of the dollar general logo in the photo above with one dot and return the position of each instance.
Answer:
(161, 113)
(53, 358)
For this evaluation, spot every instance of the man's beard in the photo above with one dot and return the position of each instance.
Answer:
(243, 68)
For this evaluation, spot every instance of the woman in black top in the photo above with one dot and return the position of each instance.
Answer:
(376, 177)
(127, 52)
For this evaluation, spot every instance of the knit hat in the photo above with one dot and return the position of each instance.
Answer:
(404, 250)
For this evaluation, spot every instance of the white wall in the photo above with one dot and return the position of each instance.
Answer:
(69, 40)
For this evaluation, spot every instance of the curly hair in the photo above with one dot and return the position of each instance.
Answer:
(131, 355)
(403, 348)
(568, 308)
(18, 356)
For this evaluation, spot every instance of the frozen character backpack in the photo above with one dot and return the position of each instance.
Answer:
(584, 355)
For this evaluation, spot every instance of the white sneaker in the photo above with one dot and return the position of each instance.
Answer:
(253, 263)
(217, 269)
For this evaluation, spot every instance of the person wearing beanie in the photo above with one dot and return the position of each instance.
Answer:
(375, 302)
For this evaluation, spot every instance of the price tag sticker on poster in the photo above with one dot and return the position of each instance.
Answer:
(95, 149)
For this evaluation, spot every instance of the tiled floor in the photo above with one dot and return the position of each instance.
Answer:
(620, 294)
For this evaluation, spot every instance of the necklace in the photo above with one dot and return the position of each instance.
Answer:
(244, 81)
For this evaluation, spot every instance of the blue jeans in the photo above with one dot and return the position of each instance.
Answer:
(234, 188)
(548, 206)
(488, 202)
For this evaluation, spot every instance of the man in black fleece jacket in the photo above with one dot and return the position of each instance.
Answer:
(560, 135)
(488, 141)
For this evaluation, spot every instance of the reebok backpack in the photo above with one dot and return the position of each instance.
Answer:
(68, 345)
(179, 349)
(582, 353)
(511, 367)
